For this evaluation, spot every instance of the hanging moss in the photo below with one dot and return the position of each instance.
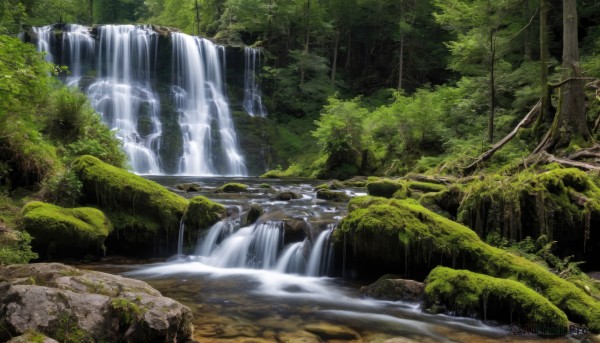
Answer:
(120, 191)
(65, 231)
(201, 213)
(467, 293)
(386, 188)
(373, 223)
(559, 203)
(233, 187)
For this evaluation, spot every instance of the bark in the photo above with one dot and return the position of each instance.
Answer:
(529, 118)
(545, 96)
(335, 55)
(570, 122)
(492, 87)
(549, 158)
(401, 61)
(302, 69)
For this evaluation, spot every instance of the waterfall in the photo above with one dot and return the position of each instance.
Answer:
(315, 259)
(77, 51)
(44, 41)
(123, 92)
(292, 259)
(252, 96)
(180, 238)
(210, 144)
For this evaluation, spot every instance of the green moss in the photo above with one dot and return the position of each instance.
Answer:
(265, 186)
(83, 228)
(425, 187)
(127, 311)
(117, 190)
(234, 187)
(465, 293)
(385, 188)
(374, 222)
(201, 213)
(336, 196)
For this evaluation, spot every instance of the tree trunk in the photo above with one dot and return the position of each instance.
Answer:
(335, 55)
(305, 57)
(401, 61)
(545, 115)
(570, 122)
(492, 87)
(197, 8)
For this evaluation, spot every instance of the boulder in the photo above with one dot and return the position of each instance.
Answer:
(67, 304)
(390, 287)
(387, 188)
(233, 187)
(65, 232)
(188, 187)
(335, 196)
(286, 195)
(32, 337)
(252, 215)
(328, 331)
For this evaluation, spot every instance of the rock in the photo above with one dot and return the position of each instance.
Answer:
(286, 196)
(332, 195)
(328, 331)
(201, 213)
(233, 187)
(188, 187)
(387, 188)
(295, 230)
(389, 287)
(253, 214)
(66, 232)
(356, 181)
(32, 337)
(68, 304)
(297, 337)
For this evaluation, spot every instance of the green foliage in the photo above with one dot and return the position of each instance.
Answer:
(63, 188)
(374, 223)
(66, 329)
(465, 293)
(19, 251)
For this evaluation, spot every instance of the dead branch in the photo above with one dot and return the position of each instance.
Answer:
(529, 118)
(431, 179)
(567, 162)
(593, 152)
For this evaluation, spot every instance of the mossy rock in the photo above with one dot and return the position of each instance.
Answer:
(201, 213)
(113, 188)
(233, 187)
(425, 187)
(402, 231)
(335, 196)
(65, 232)
(252, 215)
(265, 186)
(385, 188)
(331, 185)
(466, 293)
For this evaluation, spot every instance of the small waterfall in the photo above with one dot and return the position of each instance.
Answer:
(292, 259)
(215, 235)
(210, 144)
(45, 39)
(180, 238)
(319, 249)
(252, 95)
(78, 51)
(123, 92)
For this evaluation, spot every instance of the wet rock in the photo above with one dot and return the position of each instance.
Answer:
(390, 287)
(233, 187)
(332, 195)
(188, 187)
(295, 230)
(68, 304)
(286, 196)
(253, 214)
(297, 337)
(328, 331)
(356, 181)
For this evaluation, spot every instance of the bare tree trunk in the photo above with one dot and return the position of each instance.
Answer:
(545, 110)
(335, 55)
(401, 61)
(302, 71)
(570, 122)
(492, 87)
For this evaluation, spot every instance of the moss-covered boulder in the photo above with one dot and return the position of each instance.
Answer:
(403, 234)
(425, 187)
(145, 215)
(335, 196)
(386, 188)
(393, 288)
(466, 293)
(562, 204)
(233, 187)
(65, 232)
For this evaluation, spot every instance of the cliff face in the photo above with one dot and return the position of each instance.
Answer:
(142, 65)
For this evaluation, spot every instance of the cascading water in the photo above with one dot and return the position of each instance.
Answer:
(123, 93)
(44, 40)
(315, 261)
(210, 144)
(252, 95)
(78, 52)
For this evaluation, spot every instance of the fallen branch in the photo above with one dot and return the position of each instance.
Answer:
(568, 163)
(593, 152)
(529, 118)
(431, 179)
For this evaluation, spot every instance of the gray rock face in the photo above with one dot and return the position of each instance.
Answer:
(68, 304)
(390, 287)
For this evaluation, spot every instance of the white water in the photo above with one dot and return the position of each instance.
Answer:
(318, 251)
(123, 92)
(44, 41)
(210, 144)
(252, 95)
(78, 51)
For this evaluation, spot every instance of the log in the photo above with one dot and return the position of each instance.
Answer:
(431, 179)
(529, 118)
(593, 152)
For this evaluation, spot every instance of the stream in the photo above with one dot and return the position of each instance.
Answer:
(251, 284)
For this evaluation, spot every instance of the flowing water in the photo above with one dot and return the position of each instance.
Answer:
(265, 283)
(45, 40)
(252, 95)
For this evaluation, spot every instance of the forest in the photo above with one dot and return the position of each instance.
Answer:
(447, 144)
